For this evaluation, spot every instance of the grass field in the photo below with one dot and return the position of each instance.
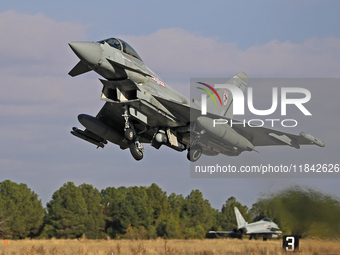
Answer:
(162, 247)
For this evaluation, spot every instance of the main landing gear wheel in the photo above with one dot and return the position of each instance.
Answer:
(252, 236)
(129, 134)
(136, 150)
(194, 153)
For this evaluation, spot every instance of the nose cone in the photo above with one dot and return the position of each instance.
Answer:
(275, 226)
(88, 52)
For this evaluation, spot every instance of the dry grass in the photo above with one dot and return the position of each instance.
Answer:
(162, 247)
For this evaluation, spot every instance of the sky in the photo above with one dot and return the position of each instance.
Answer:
(39, 102)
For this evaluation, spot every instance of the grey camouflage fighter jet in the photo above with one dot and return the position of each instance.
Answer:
(262, 228)
(141, 108)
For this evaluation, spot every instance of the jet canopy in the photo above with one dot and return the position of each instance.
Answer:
(267, 219)
(122, 46)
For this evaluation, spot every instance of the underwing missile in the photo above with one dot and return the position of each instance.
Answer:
(82, 135)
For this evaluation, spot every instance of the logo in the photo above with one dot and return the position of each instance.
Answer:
(234, 95)
(225, 97)
(157, 80)
(208, 92)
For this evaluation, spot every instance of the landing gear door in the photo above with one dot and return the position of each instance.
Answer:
(138, 115)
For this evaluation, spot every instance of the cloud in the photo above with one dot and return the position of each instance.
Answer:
(35, 39)
(34, 62)
(36, 94)
(184, 53)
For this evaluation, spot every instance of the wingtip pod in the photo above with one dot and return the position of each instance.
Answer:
(312, 139)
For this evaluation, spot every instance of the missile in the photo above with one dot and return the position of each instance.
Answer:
(83, 135)
(90, 135)
(226, 133)
(99, 128)
(312, 139)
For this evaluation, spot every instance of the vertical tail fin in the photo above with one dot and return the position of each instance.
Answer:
(220, 101)
(239, 218)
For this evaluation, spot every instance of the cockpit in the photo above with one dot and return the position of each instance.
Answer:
(267, 219)
(122, 46)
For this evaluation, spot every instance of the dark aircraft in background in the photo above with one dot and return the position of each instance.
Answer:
(141, 108)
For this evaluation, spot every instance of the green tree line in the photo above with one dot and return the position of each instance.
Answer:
(148, 212)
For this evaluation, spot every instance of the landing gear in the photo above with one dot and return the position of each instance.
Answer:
(129, 135)
(136, 148)
(252, 236)
(194, 152)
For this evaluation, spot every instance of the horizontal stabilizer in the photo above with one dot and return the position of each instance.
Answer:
(80, 68)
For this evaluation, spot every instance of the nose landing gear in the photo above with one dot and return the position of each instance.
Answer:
(135, 146)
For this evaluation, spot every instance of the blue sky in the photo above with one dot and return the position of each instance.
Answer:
(246, 23)
(178, 40)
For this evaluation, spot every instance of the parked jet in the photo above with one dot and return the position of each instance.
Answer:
(141, 108)
(260, 228)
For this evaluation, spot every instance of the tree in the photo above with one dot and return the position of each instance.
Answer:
(94, 224)
(159, 203)
(227, 218)
(197, 214)
(128, 207)
(116, 222)
(137, 208)
(172, 227)
(176, 202)
(21, 209)
(302, 211)
(67, 213)
(3, 229)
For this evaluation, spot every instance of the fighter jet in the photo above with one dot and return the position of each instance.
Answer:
(260, 228)
(141, 108)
